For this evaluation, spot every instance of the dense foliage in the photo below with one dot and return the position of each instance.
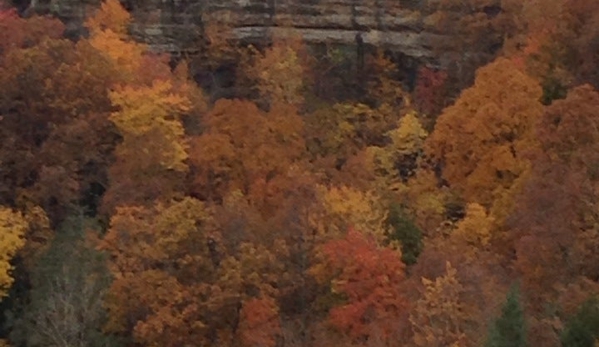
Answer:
(317, 205)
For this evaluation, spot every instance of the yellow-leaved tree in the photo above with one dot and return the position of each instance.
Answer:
(150, 161)
(408, 138)
(438, 316)
(336, 133)
(475, 228)
(342, 208)
(398, 171)
(280, 72)
(13, 227)
(156, 108)
(149, 100)
(399, 160)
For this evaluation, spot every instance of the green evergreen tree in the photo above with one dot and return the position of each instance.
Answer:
(509, 330)
(406, 232)
(583, 328)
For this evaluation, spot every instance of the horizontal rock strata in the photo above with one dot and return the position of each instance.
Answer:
(174, 25)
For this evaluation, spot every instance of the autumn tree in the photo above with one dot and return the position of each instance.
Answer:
(259, 323)
(108, 34)
(279, 215)
(19, 33)
(430, 93)
(331, 65)
(330, 133)
(38, 112)
(338, 209)
(370, 277)
(580, 40)
(54, 106)
(481, 141)
(382, 84)
(111, 16)
(13, 227)
(475, 229)
(565, 32)
(336, 133)
(535, 46)
(407, 177)
(174, 282)
(38, 235)
(402, 156)
(134, 63)
(543, 62)
(457, 299)
(142, 297)
(35, 238)
(74, 165)
(438, 316)
(280, 71)
(242, 146)
(151, 159)
(74, 159)
(474, 32)
(149, 100)
(217, 48)
(553, 210)
(424, 200)
(220, 64)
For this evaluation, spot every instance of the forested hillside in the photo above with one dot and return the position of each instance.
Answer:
(323, 200)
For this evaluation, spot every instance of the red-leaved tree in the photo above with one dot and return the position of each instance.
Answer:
(371, 279)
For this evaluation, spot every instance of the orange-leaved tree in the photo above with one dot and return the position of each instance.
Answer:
(108, 34)
(259, 323)
(481, 141)
(55, 131)
(243, 144)
(175, 283)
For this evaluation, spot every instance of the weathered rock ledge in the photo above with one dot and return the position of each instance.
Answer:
(174, 25)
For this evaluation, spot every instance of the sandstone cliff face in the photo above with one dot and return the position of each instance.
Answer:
(174, 25)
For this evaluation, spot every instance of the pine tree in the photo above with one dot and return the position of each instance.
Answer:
(509, 329)
(406, 232)
(582, 329)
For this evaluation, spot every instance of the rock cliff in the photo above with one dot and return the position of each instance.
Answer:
(174, 25)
